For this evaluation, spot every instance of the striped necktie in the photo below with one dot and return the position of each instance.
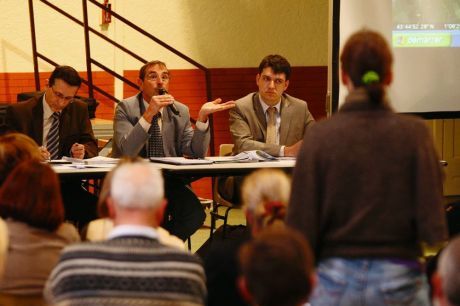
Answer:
(52, 139)
(155, 139)
(271, 126)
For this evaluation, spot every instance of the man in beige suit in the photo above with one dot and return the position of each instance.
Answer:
(249, 120)
(254, 128)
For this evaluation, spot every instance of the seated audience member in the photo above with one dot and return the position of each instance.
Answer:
(99, 229)
(265, 195)
(60, 126)
(146, 125)
(367, 190)
(446, 281)
(132, 267)
(276, 269)
(30, 204)
(14, 148)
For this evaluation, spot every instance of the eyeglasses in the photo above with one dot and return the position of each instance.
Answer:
(154, 77)
(60, 95)
(267, 80)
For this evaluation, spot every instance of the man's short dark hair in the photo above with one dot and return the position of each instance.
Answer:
(148, 65)
(67, 74)
(278, 63)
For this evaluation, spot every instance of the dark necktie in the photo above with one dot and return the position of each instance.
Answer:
(52, 139)
(155, 139)
(271, 126)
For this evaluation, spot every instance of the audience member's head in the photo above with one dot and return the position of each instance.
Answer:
(276, 269)
(265, 195)
(104, 194)
(137, 194)
(366, 62)
(446, 280)
(31, 194)
(14, 148)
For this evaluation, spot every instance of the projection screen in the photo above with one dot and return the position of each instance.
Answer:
(425, 39)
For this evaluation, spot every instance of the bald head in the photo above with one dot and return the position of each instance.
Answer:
(449, 271)
(137, 186)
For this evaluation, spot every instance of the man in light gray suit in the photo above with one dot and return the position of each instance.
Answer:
(135, 121)
(249, 120)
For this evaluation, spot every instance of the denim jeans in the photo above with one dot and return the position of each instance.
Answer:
(373, 282)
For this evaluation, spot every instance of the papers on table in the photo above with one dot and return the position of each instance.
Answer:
(94, 162)
(180, 161)
(97, 160)
(244, 157)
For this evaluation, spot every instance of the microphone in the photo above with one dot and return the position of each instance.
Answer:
(172, 107)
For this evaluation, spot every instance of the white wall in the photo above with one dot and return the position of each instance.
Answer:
(215, 33)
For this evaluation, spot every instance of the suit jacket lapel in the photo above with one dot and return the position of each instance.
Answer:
(37, 121)
(286, 115)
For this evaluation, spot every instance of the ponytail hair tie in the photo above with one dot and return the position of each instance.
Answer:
(370, 77)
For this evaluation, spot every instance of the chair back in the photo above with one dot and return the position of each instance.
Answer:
(226, 149)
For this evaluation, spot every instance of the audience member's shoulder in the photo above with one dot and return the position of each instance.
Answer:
(68, 232)
(412, 123)
(166, 238)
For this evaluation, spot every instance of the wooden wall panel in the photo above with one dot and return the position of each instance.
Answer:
(13, 83)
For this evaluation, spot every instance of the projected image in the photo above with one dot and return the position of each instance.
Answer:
(426, 23)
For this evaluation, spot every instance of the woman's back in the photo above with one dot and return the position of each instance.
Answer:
(367, 190)
(377, 177)
(32, 254)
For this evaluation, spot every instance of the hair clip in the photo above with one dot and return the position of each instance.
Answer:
(370, 77)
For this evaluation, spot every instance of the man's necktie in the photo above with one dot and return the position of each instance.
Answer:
(271, 126)
(52, 139)
(155, 139)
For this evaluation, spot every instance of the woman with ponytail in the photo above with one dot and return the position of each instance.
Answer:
(367, 190)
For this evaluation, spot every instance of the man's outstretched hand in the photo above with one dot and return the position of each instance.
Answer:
(212, 107)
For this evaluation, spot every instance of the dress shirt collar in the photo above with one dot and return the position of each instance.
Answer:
(265, 106)
(133, 230)
(47, 111)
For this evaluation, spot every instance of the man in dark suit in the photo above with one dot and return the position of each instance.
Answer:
(136, 119)
(60, 125)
